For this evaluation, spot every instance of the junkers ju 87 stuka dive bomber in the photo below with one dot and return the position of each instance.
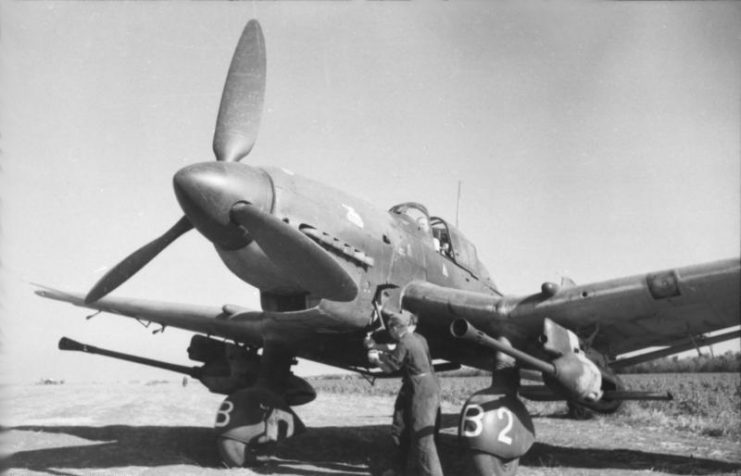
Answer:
(326, 263)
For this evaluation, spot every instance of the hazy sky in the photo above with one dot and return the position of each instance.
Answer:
(593, 140)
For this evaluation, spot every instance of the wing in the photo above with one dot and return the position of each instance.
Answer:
(618, 316)
(228, 322)
(231, 322)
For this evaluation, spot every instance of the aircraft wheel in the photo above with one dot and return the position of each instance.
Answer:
(238, 454)
(578, 412)
(233, 453)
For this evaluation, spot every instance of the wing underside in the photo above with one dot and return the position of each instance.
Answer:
(230, 322)
(618, 316)
(242, 325)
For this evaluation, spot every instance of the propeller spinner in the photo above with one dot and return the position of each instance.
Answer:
(236, 131)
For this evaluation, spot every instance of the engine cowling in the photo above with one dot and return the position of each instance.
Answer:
(250, 423)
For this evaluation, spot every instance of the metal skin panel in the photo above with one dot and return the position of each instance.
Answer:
(297, 254)
(621, 315)
(304, 202)
(251, 265)
(313, 333)
(212, 320)
(626, 316)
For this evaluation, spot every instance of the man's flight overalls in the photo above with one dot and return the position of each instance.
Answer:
(417, 404)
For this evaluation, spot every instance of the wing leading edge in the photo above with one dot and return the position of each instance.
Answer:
(618, 316)
(230, 322)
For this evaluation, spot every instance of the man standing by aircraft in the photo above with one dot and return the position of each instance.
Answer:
(419, 397)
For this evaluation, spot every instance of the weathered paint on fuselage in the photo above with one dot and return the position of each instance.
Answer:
(401, 251)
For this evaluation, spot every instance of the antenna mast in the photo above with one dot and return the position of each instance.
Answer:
(458, 204)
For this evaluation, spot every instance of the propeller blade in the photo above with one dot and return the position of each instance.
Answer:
(241, 102)
(117, 275)
(295, 253)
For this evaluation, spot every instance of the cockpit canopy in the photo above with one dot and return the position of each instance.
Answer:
(447, 240)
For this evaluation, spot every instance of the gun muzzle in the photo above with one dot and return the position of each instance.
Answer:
(66, 343)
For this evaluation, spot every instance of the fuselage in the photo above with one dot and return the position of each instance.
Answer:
(379, 249)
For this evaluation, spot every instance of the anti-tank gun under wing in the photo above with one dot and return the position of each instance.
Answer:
(252, 418)
(227, 367)
(496, 425)
(569, 375)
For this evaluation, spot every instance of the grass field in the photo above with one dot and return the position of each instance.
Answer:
(704, 403)
(164, 428)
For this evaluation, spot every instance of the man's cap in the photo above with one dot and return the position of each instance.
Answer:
(403, 318)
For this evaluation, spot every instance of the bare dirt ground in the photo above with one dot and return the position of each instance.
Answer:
(163, 429)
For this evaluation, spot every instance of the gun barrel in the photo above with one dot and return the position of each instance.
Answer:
(637, 395)
(462, 329)
(69, 344)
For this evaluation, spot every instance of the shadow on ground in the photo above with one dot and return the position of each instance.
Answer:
(349, 450)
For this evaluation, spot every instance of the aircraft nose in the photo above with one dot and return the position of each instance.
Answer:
(207, 191)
